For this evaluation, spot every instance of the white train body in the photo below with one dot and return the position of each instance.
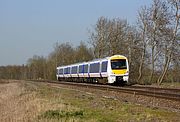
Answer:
(107, 70)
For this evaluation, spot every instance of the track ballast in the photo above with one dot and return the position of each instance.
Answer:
(165, 93)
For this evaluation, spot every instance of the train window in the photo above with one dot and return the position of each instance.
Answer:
(68, 70)
(118, 64)
(94, 68)
(74, 70)
(60, 71)
(86, 68)
(104, 66)
(65, 70)
(81, 69)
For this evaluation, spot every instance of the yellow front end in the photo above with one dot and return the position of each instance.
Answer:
(120, 71)
(119, 65)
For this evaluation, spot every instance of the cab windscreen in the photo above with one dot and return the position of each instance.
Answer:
(118, 64)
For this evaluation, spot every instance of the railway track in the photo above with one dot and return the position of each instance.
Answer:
(165, 93)
(157, 89)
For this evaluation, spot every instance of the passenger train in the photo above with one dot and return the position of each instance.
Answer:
(111, 70)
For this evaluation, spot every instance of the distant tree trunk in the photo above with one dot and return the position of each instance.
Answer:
(167, 62)
(158, 20)
(152, 53)
(141, 63)
(143, 26)
(152, 66)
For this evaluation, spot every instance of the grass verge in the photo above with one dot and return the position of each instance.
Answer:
(44, 103)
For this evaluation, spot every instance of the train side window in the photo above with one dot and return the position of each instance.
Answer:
(68, 70)
(81, 69)
(74, 70)
(61, 71)
(64, 70)
(104, 66)
(94, 68)
(86, 68)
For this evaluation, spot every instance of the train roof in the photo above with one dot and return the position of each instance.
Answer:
(94, 60)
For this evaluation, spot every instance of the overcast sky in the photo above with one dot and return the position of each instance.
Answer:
(32, 27)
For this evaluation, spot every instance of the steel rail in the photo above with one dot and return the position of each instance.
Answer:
(176, 90)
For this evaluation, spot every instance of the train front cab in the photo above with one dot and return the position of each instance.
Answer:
(119, 70)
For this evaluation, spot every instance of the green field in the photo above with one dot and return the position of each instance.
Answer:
(35, 101)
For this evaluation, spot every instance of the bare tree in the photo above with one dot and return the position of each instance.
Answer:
(172, 34)
(98, 38)
(143, 22)
(82, 53)
(37, 67)
(109, 37)
(134, 51)
(159, 19)
(118, 36)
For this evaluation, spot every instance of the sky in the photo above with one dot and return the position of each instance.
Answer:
(32, 27)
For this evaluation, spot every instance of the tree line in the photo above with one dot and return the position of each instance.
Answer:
(39, 67)
(152, 47)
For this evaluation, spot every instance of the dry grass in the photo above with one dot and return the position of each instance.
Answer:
(30, 101)
(23, 101)
(18, 103)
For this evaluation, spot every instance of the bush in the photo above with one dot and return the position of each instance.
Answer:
(57, 114)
